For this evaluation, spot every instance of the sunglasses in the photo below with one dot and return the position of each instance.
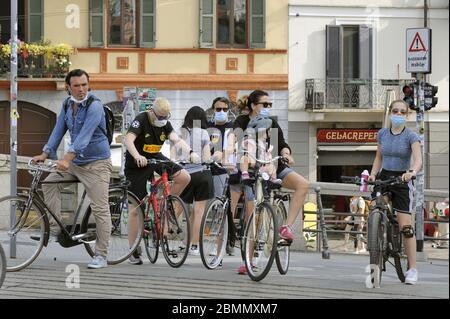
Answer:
(397, 111)
(161, 118)
(266, 104)
(219, 109)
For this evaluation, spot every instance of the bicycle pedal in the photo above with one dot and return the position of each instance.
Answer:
(86, 241)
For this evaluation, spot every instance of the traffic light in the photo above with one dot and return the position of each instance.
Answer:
(430, 99)
(408, 91)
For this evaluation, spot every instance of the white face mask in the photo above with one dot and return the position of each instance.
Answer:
(79, 101)
(159, 123)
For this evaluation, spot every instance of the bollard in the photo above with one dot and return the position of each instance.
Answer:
(325, 251)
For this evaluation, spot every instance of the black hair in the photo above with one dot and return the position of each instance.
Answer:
(220, 99)
(246, 101)
(76, 72)
(193, 114)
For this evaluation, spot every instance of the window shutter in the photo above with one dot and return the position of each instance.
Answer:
(148, 23)
(35, 20)
(257, 23)
(96, 18)
(334, 67)
(206, 37)
(365, 52)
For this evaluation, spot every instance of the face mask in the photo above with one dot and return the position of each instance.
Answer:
(158, 123)
(79, 101)
(265, 112)
(397, 120)
(221, 116)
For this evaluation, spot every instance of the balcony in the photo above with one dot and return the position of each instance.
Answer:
(350, 94)
(37, 61)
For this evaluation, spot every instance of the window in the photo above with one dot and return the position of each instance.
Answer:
(232, 23)
(30, 20)
(349, 65)
(129, 23)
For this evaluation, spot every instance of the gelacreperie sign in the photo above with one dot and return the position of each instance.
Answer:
(347, 136)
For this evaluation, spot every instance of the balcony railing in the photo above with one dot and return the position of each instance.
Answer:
(350, 93)
(32, 67)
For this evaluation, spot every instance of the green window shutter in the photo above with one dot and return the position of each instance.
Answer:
(96, 18)
(148, 23)
(206, 37)
(35, 20)
(257, 23)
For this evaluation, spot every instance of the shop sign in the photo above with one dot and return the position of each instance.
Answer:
(347, 136)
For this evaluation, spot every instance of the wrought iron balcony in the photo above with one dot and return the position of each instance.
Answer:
(350, 93)
(32, 67)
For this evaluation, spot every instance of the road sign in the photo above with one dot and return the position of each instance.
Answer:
(418, 50)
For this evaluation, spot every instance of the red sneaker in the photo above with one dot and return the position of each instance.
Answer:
(286, 233)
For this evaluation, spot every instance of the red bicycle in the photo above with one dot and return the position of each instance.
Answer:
(166, 221)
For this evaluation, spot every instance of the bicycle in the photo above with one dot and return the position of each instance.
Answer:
(164, 224)
(2, 265)
(261, 233)
(384, 236)
(25, 226)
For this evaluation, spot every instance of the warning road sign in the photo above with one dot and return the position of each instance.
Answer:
(418, 50)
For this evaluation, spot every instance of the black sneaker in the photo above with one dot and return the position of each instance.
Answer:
(135, 258)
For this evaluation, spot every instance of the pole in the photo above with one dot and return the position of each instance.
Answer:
(420, 126)
(14, 116)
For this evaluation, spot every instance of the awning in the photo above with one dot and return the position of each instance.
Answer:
(347, 148)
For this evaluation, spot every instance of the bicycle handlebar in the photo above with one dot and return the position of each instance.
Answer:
(389, 182)
(45, 167)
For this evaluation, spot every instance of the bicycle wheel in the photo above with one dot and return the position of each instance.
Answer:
(376, 242)
(283, 250)
(2, 266)
(120, 207)
(29, 229)
(151, 240)
(175, 238)
(214, 234)
(260, 242)
(399, 254)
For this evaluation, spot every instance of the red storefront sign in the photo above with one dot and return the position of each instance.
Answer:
(347, 135)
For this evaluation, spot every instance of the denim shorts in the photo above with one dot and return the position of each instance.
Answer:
(285, 172)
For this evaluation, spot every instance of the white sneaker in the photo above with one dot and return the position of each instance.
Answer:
(411, 276)
(194, 251)
(98, 262)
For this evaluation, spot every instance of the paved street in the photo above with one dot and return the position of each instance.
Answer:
(309, 276)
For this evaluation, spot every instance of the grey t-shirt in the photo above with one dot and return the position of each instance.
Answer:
(396, 149)
(197, 139)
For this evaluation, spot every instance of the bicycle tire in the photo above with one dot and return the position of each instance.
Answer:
(151, 241)
(282, 257)
(175, 243)
(119, 248)
(375, 231)
(266, 234)
(30, 239)
(214, 234)
(2, 265)
(400, 259)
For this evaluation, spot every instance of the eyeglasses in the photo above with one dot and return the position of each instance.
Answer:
(266, 104)
(161, 118)
(398, 111)
(220, 109)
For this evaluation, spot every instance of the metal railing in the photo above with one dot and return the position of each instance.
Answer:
(333, 93)
(32, 67)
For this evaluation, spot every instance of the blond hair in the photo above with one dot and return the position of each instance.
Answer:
(162, 105)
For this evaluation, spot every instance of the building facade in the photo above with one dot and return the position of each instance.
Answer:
(190, 51)
(347, 60)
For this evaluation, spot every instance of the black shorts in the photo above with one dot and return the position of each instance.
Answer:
(401, 195)
(201, 187)
(139, 176)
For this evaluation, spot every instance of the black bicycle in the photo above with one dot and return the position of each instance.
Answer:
(2, 265)
(385, 239)
(25, 226)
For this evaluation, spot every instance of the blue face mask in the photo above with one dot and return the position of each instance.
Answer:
(397, 120)
(265, 112)
(220, 117)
